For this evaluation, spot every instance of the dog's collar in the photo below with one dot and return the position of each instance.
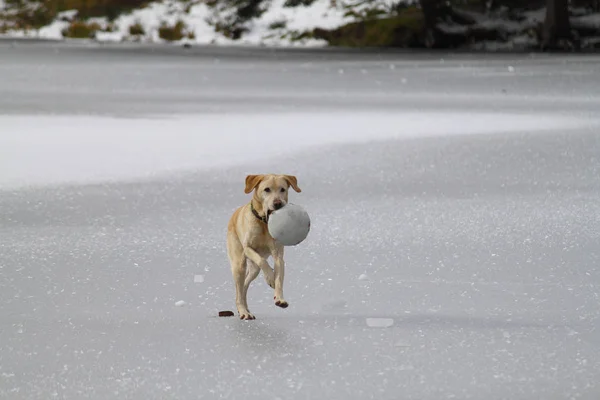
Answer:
(263, 219)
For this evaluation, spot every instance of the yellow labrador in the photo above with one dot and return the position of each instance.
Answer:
(249, 243)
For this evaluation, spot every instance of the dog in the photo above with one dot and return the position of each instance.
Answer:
(249, 243)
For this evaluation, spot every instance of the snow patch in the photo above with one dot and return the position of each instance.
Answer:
(180, 303)
(590, 21)
(109, 37)
(54, 30)
(41, 150)
(320, 14)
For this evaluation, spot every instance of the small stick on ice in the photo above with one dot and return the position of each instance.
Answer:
(226, 314)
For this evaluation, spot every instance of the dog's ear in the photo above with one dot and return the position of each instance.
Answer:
(293, 182)
(252, 182)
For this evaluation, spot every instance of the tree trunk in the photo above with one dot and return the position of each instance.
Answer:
(557, 28)
(432, 11)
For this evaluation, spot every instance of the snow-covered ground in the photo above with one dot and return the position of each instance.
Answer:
(282, 26)
(89, 149)
(321, 13)
(453, 253)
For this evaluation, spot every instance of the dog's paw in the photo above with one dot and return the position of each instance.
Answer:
(246, 315)
(279, 302)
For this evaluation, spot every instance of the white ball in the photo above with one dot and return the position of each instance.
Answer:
(289, 225)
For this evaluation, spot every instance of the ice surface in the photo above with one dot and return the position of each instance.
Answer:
(475, 214)
(198, 278)
(379, 322)
(77, 149)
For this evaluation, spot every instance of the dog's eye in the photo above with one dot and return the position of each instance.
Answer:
(282, 190)
(268, 190)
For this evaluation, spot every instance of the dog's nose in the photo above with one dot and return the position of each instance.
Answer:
(277, 204)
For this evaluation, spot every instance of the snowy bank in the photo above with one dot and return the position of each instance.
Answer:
(378, 23)
(274, 27)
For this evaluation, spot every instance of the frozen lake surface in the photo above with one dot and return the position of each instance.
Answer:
(455, 242)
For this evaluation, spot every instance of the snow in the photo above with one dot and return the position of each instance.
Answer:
(69, 15)
(198, 278)
(180, 303)
(518, 33)
(152, 16)
(109, 36)
(475, 212)
(320, 14)
(140, 148)
(590, 20)
(53, 31)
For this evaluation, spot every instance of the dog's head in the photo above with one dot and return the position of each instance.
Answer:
(271, 191)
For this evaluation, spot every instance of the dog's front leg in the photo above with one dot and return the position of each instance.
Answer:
(238, 267)
(262, 264)
(279, 264)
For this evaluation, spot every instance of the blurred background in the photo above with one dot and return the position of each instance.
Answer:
(465, 24)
